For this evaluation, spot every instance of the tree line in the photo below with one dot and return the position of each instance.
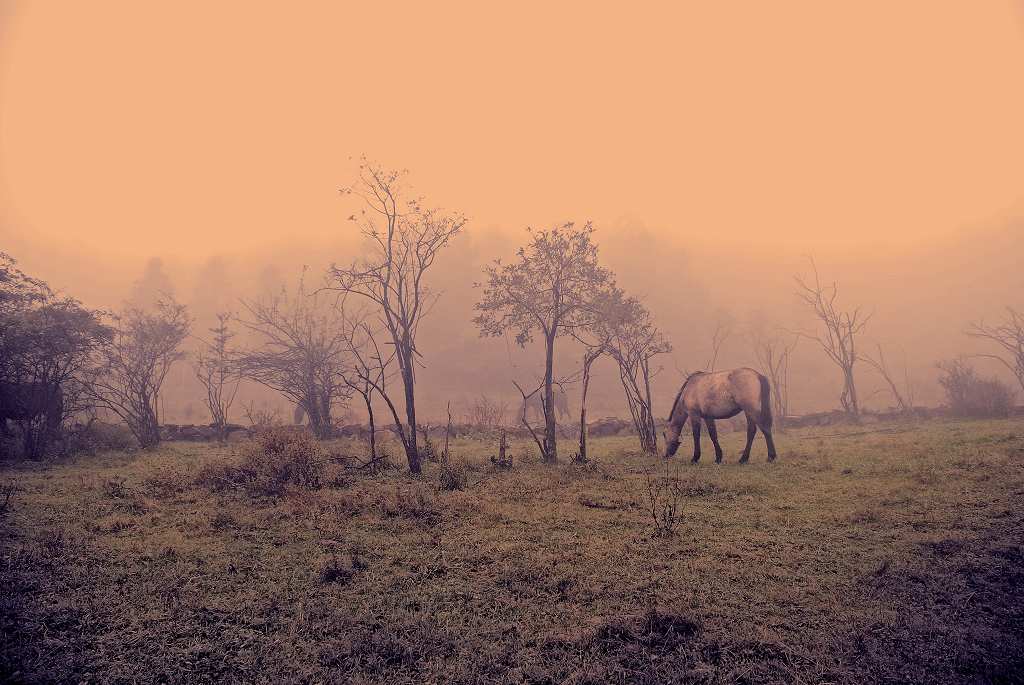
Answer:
(354, 330)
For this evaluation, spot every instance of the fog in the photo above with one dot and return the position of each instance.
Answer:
(200, 149)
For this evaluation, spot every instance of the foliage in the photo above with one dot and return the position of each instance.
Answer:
(272, 461)
(550, 289)
(48, 344)
(301, 353)
(132, 368)
(217, 370)
(968, 394)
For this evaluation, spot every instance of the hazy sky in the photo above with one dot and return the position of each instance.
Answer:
(193, 128)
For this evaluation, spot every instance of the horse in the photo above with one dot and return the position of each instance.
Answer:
(535, 404)
(721, 395)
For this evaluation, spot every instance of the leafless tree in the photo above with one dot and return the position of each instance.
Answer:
(405, 239)
(773, 355)
(487, 413)
(1008, 335)
(301, 352)
(217, 369)
(903, 398)
(839, 337)
(721, 333)
(131, 370)
(549, 289)
(368, 373)
(635, 341)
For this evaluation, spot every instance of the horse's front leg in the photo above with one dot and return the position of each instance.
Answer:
(695, 421)
(713, 434)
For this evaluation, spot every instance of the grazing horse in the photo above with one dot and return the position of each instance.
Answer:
(535, 404)
(721, 395)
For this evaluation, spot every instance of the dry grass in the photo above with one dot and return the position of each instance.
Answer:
(877, 557)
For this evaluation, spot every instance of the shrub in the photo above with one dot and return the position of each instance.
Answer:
(276, 458)
(453, 475)
(96, 436)
(968, 394)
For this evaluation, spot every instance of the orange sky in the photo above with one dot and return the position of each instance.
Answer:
(193, 128)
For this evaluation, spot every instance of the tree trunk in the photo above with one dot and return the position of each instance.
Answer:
(373, 428)
(411, 446)
(550, 435)
(587, 361)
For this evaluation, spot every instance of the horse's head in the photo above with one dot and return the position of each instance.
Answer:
(671, 435)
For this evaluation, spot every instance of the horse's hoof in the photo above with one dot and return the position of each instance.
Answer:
(718, 460)
(744, 460)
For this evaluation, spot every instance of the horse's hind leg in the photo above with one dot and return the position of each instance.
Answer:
(713, 432)
(767, 430)
(695, 422)
(751, 432)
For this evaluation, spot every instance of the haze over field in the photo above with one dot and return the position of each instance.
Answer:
(715, 148)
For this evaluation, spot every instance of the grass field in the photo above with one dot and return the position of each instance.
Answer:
(887, 553)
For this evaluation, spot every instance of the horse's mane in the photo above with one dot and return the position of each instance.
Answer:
(680, 393)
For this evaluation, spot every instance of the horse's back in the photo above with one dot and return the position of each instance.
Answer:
(723, 394)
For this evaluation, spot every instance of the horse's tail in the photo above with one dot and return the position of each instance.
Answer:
(766, 401)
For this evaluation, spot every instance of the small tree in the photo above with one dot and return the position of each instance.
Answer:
(47, 345)
(839, 337)
(1008, 335)
(216, 368)
(635, 341)
(302, 353)
(773, 354)
(367, 373)
(904, 398)
(405, 239)
(549, 289)
(968, 394)
(133, 367)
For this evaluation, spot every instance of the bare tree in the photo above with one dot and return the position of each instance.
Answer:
(367, 373)
(132, 368)
(1009, 336)
(301, 353)
(216, 367)
(773, 355)
(548, 289)
(405, 239)
(487, 413)
(635, 341)
(903, 398)
(839, 337)
(722, 332)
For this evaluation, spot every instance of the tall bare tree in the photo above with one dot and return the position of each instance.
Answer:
(301, 352)
(904, 398)
(405, 239)
(838, 337)
(1008, 335)
(773, 355)
(549, 289)
(132, 368)
(217, 370)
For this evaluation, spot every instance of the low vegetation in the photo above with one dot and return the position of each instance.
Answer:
(884, 555)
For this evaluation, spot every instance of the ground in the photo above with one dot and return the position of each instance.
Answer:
(867, 554)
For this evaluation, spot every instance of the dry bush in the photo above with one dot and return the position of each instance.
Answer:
(413, 503)
(968, 394)
(487, 414)
(97, 436)
(275, 459)
(262, 418)
(664, 501)
(453, 475)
